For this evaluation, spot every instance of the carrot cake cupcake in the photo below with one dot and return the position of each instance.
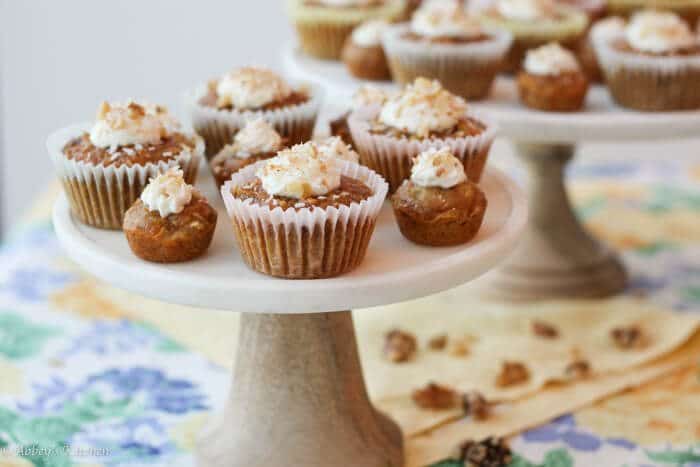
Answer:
(257, 140)
(438, 206)
(422, 116)
(171, 222)
(534, 23)
(304, 214)
(364, 97)
(363, 53)
(552, 80)
(105, 167)
(654, 64)
(444, 42)
(324, 25)
(222, 107)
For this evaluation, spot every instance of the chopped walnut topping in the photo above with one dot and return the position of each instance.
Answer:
(461, 347)
(399, 346)
(628, 337)
(435, 397)
(490, 452)
(544, 330)
(512, 374)
(475, 405)
(578, 369)
(438, 342)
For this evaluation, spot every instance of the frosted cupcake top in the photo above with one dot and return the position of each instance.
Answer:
(659, 32)
(607, 28)
(129, 123)
(422, 108)
(526, 10)
(251, 88)
(445, 20)
(368, 95)
(369, 34)
(256, 137)
(167, 193)
(550, 59)
(335, 147)
(437, 167)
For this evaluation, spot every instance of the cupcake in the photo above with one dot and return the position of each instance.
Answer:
(305, 214)
(257, 140)
(220, 109)
(552, 80)
(363, 53)
(438, 206)
(105, 167)
(366, 96)
(422, 116)
(534, 23)
(654, 64)
(444, 42)
(171, 222)
(324, 25)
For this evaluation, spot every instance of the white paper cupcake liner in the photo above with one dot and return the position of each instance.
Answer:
(100, 196)
(304, 243)
(218, 127)
(464, 69)
(392, 157)
(649, 83)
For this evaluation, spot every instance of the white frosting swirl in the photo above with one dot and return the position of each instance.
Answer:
(130, 123)
(525, 10)
(659, 32)
(445, 19)
(167, 193)
(335, 147)
(256, 137)
(423, 107)
(368, 95)
(369, 34)
(300, 172)
(550, 59)
(607, 28)
(437, 167)
(251, 88)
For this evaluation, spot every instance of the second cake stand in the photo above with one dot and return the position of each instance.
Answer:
(558, 257)
(298, 396)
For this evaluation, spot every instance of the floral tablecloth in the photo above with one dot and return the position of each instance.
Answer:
(94, 386)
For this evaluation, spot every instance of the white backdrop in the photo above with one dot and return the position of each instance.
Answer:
(61, 57)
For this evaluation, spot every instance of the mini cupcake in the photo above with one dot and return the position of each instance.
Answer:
(438, 206)
(363, 53)
(257, 140)
(103, 169)
(444, 42)
(324, 25)
(220, 109)
(552, 80)
(534, 23)
(366, 96)
(305, 214)
(171, 222)
(654, 65)
(424, 115)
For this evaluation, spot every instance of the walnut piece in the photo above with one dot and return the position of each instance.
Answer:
(490, 452)
(577, 369)
(399, 346)
(544, 330)
(438, 342)
(512, 374)
(628, 337)
(475, 405)
(435, 397)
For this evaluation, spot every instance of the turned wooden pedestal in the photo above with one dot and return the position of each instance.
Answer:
(298, 398)
(557, 257)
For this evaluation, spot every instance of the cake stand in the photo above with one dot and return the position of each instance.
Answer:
(557, 257)
(298, 396)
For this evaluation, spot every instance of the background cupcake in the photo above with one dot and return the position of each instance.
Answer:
(323, 25)
(654, 64)
(366, 96)
(446, 43)
(363, 53)
(105, 167)
(221, 108)
(534, 23)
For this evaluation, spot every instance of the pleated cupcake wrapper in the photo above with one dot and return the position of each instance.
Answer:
(100, 196)
(393, 157)
(218, 127)
(304, 243)
(650, 83)
(464, 69)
